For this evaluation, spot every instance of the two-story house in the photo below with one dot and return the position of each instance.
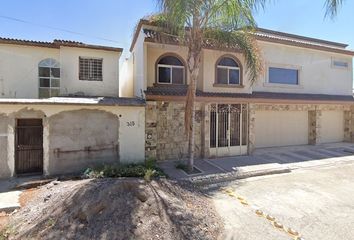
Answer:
(60, 109)
(304, 97)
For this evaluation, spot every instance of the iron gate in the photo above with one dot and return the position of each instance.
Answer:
(29, 146)
(228, 129)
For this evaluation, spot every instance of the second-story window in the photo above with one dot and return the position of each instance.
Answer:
(170, 70)
(228, 72)
(287, 76)
(90, 69)
(49, 78)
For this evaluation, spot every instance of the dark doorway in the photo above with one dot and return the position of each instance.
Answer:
(29, 146)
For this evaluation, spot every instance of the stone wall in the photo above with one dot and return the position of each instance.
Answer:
(165, 133)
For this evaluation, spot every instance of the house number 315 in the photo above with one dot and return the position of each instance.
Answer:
(131, 124)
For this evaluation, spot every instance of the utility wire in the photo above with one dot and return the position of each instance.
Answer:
(56, 28)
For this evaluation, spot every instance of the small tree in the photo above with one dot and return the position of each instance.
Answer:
(220, 23)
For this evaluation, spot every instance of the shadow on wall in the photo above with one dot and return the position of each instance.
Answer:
(82, 138)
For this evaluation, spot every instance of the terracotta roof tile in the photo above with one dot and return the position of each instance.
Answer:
(57, 44)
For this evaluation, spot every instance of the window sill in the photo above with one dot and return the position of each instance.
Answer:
(168, 84)
(92, 80)
(228, 85)
(279, 85)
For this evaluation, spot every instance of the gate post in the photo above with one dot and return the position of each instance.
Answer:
(251, 128)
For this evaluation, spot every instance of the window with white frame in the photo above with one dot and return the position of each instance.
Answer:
(339, 63)
(170, 70)
(49, 78)
(228, 72)
(90, 69)
(288, 76)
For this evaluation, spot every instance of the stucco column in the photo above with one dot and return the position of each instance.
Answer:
(46, 149)
(314, 133)
(150, 129)
(11, 130)
(251, 128)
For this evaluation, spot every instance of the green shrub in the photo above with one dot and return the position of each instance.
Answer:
(182, 165)
(149, 174)
(124, 170)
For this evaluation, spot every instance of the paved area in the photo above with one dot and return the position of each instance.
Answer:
(9, 197)
(269, 160)
(318, 203)
(9, 201)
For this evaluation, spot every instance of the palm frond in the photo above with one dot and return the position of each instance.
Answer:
(332, 7)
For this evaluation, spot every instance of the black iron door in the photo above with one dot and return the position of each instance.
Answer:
(29, 146)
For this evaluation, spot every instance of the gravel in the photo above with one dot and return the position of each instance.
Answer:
(117, 209)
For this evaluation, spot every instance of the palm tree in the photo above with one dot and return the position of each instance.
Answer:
(332, 7)
(221, 23)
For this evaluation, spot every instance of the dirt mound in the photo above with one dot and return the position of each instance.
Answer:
(117, 209)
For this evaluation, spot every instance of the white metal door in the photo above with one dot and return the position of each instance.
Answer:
(332, 126)
(228, 129)
(281, 128)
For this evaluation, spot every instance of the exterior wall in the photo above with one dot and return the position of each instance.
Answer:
(70, 83)
(19, 69)
(95, 134)
(165, 136)
(316, 73)
(80, 138)
(126, 78)
(140, 60)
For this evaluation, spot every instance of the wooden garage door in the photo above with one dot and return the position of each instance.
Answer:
(332, 129)
(281, 128)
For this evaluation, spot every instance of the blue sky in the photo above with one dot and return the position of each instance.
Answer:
(115, 20)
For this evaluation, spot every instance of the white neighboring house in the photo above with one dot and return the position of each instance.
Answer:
(304, 97)
(60, 109)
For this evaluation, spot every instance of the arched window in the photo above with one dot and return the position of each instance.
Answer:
(49, 78)
(228, 71)
(170, 70)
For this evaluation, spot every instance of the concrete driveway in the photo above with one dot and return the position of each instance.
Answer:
(265, 161)
(317, 203)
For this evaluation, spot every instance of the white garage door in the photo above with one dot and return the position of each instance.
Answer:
(332, 126)
(281, 128)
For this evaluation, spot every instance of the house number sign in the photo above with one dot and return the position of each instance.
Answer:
(131, 124)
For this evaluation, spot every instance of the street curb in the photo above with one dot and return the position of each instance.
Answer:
(227, 177)
(9, 210)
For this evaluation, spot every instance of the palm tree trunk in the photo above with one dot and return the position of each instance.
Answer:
(191, 105)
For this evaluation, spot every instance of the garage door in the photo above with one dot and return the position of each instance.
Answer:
(281, 128)
(332, 129)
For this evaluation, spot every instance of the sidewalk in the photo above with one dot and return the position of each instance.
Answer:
(263, 162)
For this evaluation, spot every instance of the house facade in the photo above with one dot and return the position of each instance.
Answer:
(60, 109)
(303, 97)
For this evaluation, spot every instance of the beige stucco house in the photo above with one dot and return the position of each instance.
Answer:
(60, 109)
(304, 97)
